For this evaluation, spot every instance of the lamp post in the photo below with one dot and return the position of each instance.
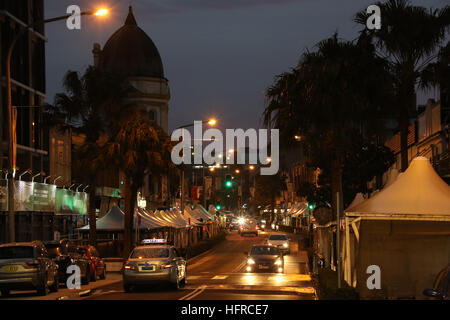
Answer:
(45, 179)
(57, 178)
(24, 173)
(12, 143)
(211, 122)
(36, 175)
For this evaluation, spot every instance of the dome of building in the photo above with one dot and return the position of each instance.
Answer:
(131, 52)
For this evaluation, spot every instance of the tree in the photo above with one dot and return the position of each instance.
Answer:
(336, 93)
(137, 147)
(89, 106)
(408, 40)
(267, 189)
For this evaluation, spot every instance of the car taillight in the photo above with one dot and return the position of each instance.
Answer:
(128, 266)
(167, 266)
(256, 228)
(32, 264)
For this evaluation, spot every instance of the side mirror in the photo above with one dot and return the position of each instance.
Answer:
(432, 293)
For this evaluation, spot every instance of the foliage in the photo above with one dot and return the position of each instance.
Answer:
(408, 40)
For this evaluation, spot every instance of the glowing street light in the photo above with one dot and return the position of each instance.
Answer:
(212, 122)
(101, 12)
(237, 171)
(252, 167)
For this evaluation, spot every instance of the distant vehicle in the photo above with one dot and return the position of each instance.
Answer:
(97, 266)
(25, 266)
(65, 254)
(248, 226)
(265, 258)
(280, 241)
(441, 287)
(154, 262)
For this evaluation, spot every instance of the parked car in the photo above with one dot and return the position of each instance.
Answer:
(65, 254)
(27, 266)
(441, 287)
(265, 257)
(96, 263)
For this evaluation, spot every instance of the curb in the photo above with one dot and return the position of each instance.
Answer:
(83, 293)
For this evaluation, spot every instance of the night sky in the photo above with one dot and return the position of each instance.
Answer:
(219, 55)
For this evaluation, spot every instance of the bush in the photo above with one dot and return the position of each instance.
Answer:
(204, 245)
(328, 288)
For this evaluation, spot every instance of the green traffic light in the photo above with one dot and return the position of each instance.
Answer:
(218, 207)
(311, 206)
(228, 184)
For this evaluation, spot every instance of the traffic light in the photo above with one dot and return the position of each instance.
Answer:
(218, 207)
(311, 206)
(228, 182)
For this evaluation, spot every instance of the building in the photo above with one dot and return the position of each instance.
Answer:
(429, 136)
(28, 94)
(27, 81)
(130, 52)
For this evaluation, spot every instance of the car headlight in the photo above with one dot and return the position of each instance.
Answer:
(285, 245)
(278, 262)
(250, 261)
(269, 243)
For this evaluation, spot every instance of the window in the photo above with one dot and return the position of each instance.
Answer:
(278, 237)
(142, 253)
(152, 115)
(16, 252)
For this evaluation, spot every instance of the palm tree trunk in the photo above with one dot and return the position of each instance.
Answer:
(92, 216)
(128, 222)
(336, 184)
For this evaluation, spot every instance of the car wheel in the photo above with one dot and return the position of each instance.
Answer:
(126, 287)
(103, 275)
(55, 286)
(94, 276)
(176, 285)
(43, 289)
(87, 277)
(5, 292)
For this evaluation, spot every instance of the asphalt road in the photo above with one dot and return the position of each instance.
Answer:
(220, 275)
(217, 275)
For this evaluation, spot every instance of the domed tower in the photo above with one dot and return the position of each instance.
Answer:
(131, 52)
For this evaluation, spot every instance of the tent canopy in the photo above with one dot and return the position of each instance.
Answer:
(359, 198)
(417, 193)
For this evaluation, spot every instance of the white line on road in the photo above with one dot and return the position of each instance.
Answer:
(194, 293)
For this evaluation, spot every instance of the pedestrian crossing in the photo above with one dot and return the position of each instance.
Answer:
(254, 276)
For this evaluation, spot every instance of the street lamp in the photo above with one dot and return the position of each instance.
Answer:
(57, 178)
(85, 188)
(211, 122)
(45, 179)
(36, 175)
(12, 149)
(78, 187)
(23, 173)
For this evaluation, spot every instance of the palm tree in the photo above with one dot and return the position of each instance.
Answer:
(408, 39)
(89, 106)
(137, 147)
(334, 95)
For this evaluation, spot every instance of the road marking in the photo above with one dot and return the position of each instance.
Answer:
(220, 277)
(194, 293)
(240, 266)
(202, 288)
(194, 277)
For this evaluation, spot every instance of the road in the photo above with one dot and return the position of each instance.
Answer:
(216, 275)
(220, 275)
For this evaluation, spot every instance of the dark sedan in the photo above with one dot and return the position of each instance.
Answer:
(65, 254)
(265, 258)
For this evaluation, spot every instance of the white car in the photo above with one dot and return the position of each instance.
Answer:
(281, 241)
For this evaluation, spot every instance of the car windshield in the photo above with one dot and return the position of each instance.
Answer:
(277, 237)
(16, 252)
(265, 250)
(142, 253)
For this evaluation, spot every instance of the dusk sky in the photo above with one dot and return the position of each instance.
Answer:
(219, 55)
